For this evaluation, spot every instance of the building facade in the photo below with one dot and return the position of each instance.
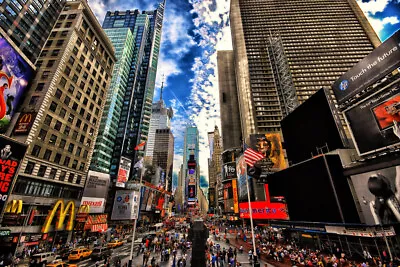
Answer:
(28, 23)
(160, 119)
(215, 166)
(231, 129)
(66, 100)
(163, 156)
(190, 147)
(134, 123)
(284, 53)
(123, 41)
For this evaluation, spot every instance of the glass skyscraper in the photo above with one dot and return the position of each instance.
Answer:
(133, 125)
(285, 52)
(190, 147)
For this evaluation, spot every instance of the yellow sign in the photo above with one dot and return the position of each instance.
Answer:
(15, 206)
(84, 209)
(235, 196)
(60, 216)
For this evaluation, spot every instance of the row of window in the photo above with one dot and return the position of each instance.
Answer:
(52, 173)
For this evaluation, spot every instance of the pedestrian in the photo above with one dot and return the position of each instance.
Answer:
(153, 261)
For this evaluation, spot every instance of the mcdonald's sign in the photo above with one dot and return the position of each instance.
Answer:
(84, 209)
(61, 214)
(24, 123)
(14, 206)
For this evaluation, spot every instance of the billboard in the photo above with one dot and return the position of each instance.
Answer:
(95, 192)
(383, 60)
(125, 205)
(211, 197)
(229, 171)
(230, 196)
(371, 121)
(192, 191)
(61, 215)
(123, 171)
(11, 156)
(320, 128)
(270, 145)
(377, 193)
(24, 123)
(15, 74)
(264, 210)
(241, 169)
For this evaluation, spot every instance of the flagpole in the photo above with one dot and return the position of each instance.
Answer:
(251, 220)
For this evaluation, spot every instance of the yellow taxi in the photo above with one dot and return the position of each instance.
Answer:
(79, 253)
(114, 244)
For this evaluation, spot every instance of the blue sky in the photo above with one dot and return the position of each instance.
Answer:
(193, 31)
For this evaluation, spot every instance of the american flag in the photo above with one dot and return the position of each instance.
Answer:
(251, 156)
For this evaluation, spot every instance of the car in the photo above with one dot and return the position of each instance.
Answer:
(42, 259)
(79, 254)
(114, 244)
(63, 253)
(100, 253)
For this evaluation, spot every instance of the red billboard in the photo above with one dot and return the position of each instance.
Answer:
(264, 210)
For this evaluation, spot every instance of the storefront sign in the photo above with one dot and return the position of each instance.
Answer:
(61, 217)
(5, 232)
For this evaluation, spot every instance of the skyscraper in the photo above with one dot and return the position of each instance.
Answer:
(164, 156)
(29, 22)
(190, 147)
(285, 52)
(160, 119)
(215, 165)
(123, 41)
(231, 129)
(133, 125)
(66, 100)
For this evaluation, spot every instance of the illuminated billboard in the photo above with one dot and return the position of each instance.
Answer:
(264, 210)
(231, 196)
(377, 193)
(123, 171)
(125, 205)
(95, 192)
(383, 60)
(371, 121)
(15, 74)
(270, 145)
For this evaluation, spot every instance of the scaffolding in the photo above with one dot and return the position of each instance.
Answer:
(281, 74)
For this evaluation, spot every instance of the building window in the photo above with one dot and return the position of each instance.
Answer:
(42, 134)
(63, 111)
(47, 154)
(78, 179)
(71, 148)
(36, 151)
(47, 120)
(29, 167)
(58, 94)
(42, 171)
(71, 177)
(78, 151)
(82, 167)
(53, 106)
(62, 175)
(66, 161)
(57, 126)
(67, 100)
(67, 130)
(57, 158)
(74, 164)
(63, 82)
(39, 87)
(53, 139)
(33, 100)
(62, 143)
(53, 173)
(71, 118)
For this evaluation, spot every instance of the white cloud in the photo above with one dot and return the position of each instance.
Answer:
(379, 24)
(99, 9)
(373, 6)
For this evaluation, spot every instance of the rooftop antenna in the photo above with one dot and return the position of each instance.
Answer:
(162, 86)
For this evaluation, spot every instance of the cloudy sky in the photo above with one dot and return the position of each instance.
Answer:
(193, 31)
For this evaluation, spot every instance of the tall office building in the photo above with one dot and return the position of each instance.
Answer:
(28, 23)
(123, 41)
(133, 126)
(285, 52)
(160, 119)
(215, 165)
(163, 156)
(190, 147)
(65, 100)
(231, 129)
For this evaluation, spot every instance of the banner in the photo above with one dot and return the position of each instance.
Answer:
(264, 210)
(61, 216)
(123, 171)
(383, 60)
(95, 192)
(11, 156)
(15, 74)
(24, 123)
(235, 196)
(125, 205)
(371, 121)
(96, 205)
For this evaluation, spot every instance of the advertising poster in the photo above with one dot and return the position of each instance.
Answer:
(11, 156)
(125, 205)
(372, 121)
(145, 196)
(192, 191)
(95, 192)
(24, 123)
(123, 171)
(384, 59)
(270, 145)
(235, 196)
(264, 210)
(15, 74)
(229, 171)
(378, 193)
(211, 197)
(150, 200)
(241, 169)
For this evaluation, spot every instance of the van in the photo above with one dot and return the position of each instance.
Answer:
(100, 253)
(42, 259)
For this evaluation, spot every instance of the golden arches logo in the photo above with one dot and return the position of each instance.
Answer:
(60, 216)
(26, 118)
(15, 206)
(84, 209)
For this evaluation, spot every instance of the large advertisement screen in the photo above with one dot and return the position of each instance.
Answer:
(15, 74)
(125, 205)
(371, 121)
(264, 210)
(230, 196)
(378, 194)
(95, 192)
(123, 171)
(11, 155)
(270, 145)
(373, 67)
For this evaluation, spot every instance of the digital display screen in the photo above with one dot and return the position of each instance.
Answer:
(387, 112)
